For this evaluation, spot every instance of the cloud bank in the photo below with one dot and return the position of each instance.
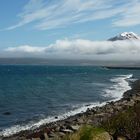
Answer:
(59, 13)
(81, 49)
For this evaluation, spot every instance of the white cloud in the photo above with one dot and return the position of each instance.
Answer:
(87, 47)
(55, 14)
(130, 16)
(26, 49)
(77, 49)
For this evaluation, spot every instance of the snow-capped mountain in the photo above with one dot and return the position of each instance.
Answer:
(125, 36)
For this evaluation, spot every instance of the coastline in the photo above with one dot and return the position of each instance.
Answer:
(93, 116)
(123, 67)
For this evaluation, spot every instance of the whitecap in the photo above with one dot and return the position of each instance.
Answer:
(119, 85)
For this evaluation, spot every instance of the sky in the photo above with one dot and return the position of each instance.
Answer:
(68, 28)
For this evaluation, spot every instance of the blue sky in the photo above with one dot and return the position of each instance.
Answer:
(41, 23)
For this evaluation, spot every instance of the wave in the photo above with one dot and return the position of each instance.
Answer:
(18, 128)
(120, 85)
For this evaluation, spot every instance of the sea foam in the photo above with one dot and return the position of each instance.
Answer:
(119, 86)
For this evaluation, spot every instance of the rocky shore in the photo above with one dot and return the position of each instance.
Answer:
(96, 117)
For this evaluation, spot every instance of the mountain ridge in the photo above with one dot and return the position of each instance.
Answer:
(125, 36)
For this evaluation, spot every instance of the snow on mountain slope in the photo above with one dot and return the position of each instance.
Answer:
(125, 36)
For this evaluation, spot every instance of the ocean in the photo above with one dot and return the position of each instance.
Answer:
(33, 95)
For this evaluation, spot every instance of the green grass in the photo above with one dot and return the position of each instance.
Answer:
(86, 132)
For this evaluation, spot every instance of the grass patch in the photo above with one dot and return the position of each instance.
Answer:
(86, 132)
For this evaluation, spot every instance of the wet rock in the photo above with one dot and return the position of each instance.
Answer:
(75, 127)
(66, 131)
(51, 135)
(68, 127)
(61, 128)
(57, 128)
(7, 113)
(136, 98)
(35, 136)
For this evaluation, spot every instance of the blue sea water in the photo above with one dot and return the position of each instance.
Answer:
(35, 94)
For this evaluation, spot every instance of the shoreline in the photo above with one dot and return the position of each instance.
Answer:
(123, 79)
(122, 67)
(95, 115)
(125, 85)
(33, 126)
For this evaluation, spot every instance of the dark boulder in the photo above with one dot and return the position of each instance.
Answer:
(7, 113)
